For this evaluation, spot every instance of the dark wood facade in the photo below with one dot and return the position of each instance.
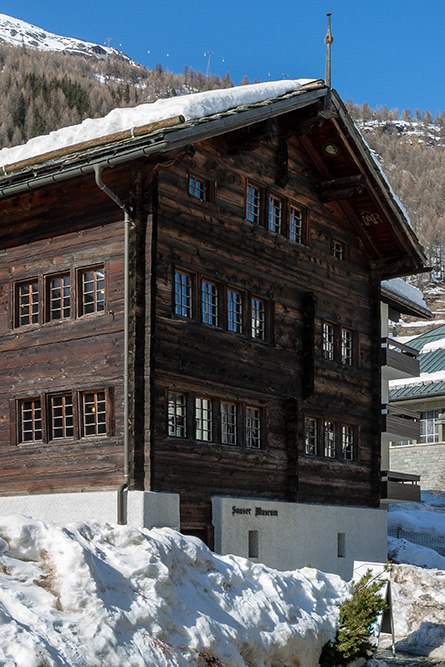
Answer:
(331, 278)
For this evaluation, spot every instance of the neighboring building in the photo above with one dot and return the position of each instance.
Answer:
(247, 411)
(424, 454)
(399, 361)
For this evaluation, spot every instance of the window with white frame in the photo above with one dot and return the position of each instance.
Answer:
(347, 442)
(253, 427)
(209, 294)
(258, 319)
(429, 426)
(296, 224)
(203, 419)
(177, 414)
(229, 434)
(311, 436)
(183, 294)
(253, 203)
(275, 214)
(234, 311)
(347, 347)
(338, 249)
(328, 341)
(330, 439)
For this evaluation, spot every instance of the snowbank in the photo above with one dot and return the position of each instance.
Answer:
(96, 594)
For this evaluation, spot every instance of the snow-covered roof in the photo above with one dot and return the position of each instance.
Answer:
(407, 297)
(190, 107)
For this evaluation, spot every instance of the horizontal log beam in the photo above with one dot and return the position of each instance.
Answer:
(342, 188)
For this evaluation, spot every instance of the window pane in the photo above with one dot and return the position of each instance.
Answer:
(275, 210)
(252, 203)
(328, 341)
(229, 424)
(329, 439)
(235, 311)
(176, 415)
(429, 427)
(28, 303)
(296, 224)
(93, 291)
(62, 416)
(60, 297)
(258, 319)
(346, 347)
(311, 436)
(209, 303)
(31, 420)
(183, 294)
(203, 419)
(253, 427)
(347, 435)
(94, 413)
(197, 187)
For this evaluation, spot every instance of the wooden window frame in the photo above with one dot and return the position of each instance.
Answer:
(19, 412)
(17, 323)
(199, 188)
(349, 447)
(49, 278)
(232, 438)
(276, 214)
(81, 272)
(330, 445)
(257, 428)
(348, 352)
(338, 249)
(75, 416)
(256, 321)
(180, 309)
(235, 316)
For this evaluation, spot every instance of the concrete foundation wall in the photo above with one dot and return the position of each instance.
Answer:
(143, 510)
(287, 536)
(428, 461)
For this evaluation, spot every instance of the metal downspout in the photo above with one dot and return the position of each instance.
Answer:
(98, 168)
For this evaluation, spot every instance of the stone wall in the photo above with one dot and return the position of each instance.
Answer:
(428, 461)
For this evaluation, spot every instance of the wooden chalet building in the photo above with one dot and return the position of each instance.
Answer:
(237, 256)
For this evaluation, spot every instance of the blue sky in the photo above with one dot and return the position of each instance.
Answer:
(384, 52)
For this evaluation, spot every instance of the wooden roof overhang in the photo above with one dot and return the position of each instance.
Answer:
(350, 179)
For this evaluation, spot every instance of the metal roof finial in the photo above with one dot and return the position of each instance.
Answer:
(328, 41)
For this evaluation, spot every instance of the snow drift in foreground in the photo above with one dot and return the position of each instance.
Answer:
(97, 594)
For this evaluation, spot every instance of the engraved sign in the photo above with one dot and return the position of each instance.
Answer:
(370, 218)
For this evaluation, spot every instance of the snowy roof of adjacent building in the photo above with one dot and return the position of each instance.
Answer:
(406, 297)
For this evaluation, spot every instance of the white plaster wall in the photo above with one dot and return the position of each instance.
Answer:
(301, 534)
(144, 510)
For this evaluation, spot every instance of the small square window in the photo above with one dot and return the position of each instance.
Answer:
(330, 439)
(253, 427)
(258, 319)
(198, 187)
(229, 434)
(311, 436)
(338, 249)
(234, 311)
(253, 203)
(209, 303)
(204, 419)
(59, 297)
(94, 413)
(275, 214)
(30, 420)
(92, 286)
(27, 302)
(328, 341)
(177, 414)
